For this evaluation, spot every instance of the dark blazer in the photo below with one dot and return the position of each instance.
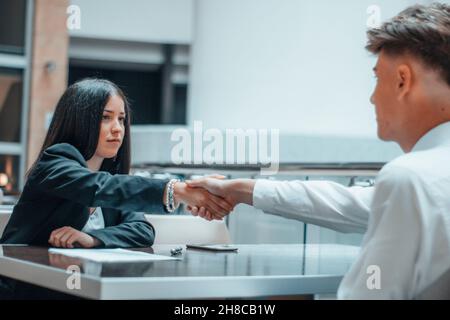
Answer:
(60, 190)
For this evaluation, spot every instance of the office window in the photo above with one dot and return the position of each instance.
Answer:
(142, 87)
(12, 26)
(154, 76)
(11, 86)
(180, 100)
(9, 173)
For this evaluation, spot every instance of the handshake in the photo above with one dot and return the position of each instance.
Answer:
(213, 197)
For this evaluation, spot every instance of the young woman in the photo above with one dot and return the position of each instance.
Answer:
(78, 192)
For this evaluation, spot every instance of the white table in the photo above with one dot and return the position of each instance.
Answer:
(254, 271)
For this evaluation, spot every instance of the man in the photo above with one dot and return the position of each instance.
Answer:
(406, 215)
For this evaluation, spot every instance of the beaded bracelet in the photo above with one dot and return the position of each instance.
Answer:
(170, 200)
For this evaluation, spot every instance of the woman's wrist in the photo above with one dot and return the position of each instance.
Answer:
(179, 192)
(95, 242)
(172, 195)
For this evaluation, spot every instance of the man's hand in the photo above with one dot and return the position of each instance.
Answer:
(68, 237)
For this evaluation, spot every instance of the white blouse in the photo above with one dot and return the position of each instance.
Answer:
(95, 222)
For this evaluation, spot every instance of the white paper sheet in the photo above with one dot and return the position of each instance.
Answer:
(110, 255)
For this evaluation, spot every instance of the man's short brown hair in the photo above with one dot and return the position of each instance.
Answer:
(423, 31)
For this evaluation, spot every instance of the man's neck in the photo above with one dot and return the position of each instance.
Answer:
(421, 129)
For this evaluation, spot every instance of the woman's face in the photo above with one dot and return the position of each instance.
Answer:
(112, 128)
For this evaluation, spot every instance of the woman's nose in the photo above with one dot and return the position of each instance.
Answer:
(117, 127)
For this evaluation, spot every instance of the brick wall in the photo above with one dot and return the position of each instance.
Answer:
(50, 45)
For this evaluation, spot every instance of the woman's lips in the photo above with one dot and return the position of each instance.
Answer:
(114, 141)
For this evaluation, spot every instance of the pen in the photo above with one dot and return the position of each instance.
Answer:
(176, 251)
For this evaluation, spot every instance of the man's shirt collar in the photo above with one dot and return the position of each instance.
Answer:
(439, 135)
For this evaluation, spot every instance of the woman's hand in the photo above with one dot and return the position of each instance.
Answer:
(215, 206)
(66, 237)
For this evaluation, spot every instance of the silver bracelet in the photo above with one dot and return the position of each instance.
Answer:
(170, 200)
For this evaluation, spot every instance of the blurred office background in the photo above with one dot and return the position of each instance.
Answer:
(295, 65)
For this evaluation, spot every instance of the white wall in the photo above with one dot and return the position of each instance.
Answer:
(296, 65)
(165, 21)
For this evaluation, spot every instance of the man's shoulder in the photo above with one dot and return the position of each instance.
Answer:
(400, 170)
(397, 172)
(415, 166)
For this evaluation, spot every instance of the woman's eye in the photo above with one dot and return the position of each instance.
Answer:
(105, 117)
(122, 120)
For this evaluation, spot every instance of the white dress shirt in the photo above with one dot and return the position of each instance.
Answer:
(406, 214)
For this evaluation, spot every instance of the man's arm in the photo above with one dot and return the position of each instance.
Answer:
(324, 203)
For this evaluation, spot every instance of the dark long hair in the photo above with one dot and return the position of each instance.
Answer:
(77, 119)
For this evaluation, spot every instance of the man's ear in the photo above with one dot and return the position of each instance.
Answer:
(404, 80)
